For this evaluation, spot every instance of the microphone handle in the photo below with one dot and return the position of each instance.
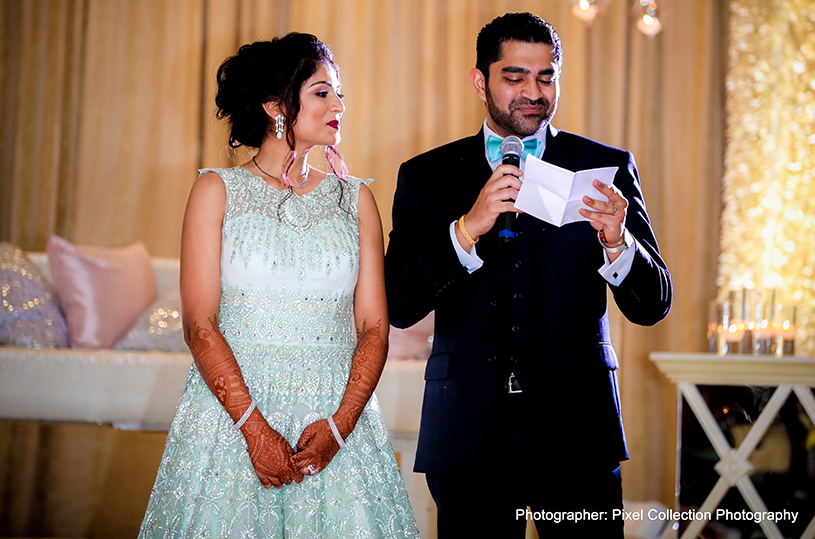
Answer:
(506, 221)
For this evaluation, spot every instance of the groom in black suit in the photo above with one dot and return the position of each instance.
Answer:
(521, 404)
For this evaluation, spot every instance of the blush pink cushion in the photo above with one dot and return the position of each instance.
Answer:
(103, 291)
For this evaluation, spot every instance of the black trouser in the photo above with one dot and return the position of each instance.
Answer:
(490, 499)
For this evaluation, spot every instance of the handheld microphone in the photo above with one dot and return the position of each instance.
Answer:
(511, 149)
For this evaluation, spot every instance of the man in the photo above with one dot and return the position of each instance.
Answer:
(521, 404)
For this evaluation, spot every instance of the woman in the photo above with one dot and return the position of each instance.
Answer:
(278, 261)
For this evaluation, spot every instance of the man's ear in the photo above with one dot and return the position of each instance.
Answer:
(479, 83)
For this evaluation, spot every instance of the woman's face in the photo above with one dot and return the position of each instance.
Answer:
(321, 107)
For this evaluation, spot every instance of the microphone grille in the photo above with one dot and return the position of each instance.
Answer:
(512, 145)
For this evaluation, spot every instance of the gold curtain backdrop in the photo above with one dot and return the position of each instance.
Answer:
(768, 222)
(107, 110)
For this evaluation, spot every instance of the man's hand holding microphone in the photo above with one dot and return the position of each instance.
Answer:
(496, 198)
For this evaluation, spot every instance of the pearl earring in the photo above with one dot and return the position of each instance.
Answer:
(278, 126)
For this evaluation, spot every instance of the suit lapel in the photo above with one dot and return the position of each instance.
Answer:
(472, 172)
(475, 170)
(556, 153)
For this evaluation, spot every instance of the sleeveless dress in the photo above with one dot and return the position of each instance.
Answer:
(289, 267)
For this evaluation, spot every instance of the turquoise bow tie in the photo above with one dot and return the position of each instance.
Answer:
(531, 146)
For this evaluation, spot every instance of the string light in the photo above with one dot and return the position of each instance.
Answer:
(645, 11)
(585, 10)
(648, 23)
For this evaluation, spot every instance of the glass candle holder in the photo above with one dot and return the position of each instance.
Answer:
(763, 334)
(714, 328)
(785, 330)
(733, 328)
(728, 332)
(747, 322)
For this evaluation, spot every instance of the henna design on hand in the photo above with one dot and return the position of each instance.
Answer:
(317, 447)
(270, 453)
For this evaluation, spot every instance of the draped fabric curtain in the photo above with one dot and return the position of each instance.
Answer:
(100, 108)
(107, 110)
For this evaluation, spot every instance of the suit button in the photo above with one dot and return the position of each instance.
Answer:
(513, 359)
(494, 303)
(492, 359)
(517, 295)
(518, 264)
(520, 234)
(516, 329)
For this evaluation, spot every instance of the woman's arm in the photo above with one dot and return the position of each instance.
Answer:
(201, 295)
(317, 444)
(370, 315)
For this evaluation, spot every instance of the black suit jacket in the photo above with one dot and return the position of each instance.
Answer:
(536, 308)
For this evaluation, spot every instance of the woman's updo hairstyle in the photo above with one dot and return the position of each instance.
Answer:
(267, 71)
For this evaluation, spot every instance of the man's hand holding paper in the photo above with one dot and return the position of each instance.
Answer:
(555, 195)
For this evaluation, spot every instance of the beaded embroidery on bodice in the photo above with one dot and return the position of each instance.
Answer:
(290, 232)
(270, 235)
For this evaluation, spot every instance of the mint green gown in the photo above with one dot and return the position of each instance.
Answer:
(288, 273)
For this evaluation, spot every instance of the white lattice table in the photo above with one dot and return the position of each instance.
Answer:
(786, 374)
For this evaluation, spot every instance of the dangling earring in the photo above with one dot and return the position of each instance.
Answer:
(278, 126)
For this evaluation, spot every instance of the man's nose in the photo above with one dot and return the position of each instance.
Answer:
(531, 90)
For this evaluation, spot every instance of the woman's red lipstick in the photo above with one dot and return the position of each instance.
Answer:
(334, 123)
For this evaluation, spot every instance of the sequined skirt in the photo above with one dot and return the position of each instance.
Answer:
(206, 485)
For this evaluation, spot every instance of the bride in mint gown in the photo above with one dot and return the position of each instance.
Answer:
(277, 433)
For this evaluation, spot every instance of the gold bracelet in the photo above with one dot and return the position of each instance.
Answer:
(467, 236)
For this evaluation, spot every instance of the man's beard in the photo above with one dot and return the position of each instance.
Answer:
(519, 124)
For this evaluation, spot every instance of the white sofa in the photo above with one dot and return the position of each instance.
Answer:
(141, 389)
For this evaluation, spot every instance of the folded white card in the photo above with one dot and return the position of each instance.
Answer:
(555, 195)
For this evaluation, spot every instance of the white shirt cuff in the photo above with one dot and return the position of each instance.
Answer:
(615, 272)
(468, 260)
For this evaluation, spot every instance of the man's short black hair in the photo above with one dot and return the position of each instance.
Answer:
(524, 27)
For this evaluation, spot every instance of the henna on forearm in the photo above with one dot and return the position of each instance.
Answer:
(218, 367)
(269, 452)
(366, 368)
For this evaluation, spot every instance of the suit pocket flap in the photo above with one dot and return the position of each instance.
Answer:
(608, 355)
(438, 367)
